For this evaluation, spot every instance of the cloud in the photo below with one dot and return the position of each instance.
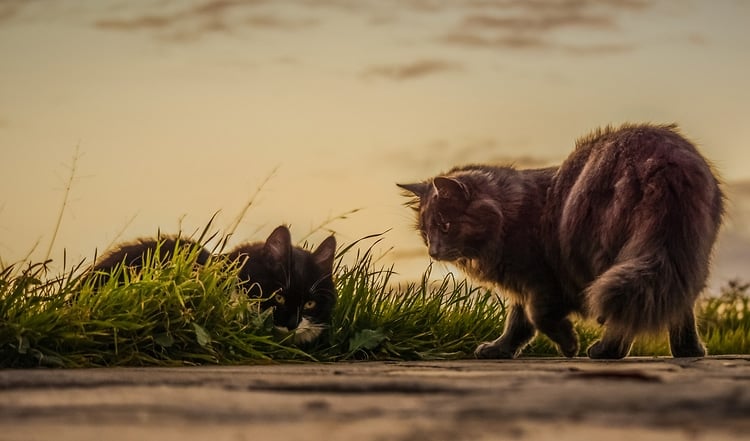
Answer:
(9, 9)
(533, 25)
(409, 71)
(211, 16)
(629, 4)
(598, 49)
(543, 25)
(269, 21)
(15, 10)
(539, 23)
(557, 5)
(212, 7)
(697, 39)
(490, 151)
(473, 39)
(142, 22)
(528, 5)
(439, 156)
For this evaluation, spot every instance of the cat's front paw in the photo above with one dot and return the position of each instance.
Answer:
(601, 351)
(494, 350)
(570, 350)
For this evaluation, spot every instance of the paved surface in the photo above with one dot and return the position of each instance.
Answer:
(527, 399)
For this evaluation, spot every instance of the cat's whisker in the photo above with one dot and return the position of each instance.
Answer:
(307, 331)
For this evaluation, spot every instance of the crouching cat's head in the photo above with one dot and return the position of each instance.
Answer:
(297, 284)
(456, 216)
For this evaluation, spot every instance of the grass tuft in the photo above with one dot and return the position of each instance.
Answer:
(171, 314)
(418, 321)
(725, 320)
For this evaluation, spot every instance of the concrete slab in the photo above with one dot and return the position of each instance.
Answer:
(534, 399)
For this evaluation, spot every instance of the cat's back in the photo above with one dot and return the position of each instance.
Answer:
(133, 253)
(641, 150)
(634, 164)
(633, 187)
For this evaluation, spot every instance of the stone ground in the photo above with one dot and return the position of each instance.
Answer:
(527, 399)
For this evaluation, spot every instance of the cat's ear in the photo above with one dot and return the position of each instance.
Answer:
(418, 189)
(450, 188)
(278, 246)
(325, 253)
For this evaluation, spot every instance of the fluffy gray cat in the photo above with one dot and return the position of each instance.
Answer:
(622, 232)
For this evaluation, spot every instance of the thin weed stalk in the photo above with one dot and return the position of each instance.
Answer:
(63, 206)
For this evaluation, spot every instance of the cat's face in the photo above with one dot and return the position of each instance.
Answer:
(452, 218)
(296, 283)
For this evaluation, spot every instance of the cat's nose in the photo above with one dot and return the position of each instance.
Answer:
(433, 249)
(292, 323)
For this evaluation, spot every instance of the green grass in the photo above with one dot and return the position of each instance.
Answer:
(723, 323)
(184, 314)
(175, 314)
(428, 320)
(725, 320)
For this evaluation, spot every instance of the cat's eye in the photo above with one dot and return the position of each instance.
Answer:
(310, 304)
(445, 227)
(279, 299)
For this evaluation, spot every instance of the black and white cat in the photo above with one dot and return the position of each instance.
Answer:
(296, 283)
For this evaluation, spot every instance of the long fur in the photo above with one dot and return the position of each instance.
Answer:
(621, 231)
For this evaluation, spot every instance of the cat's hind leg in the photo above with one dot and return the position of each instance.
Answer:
(684, 340)
(611, 346)
(518, 332)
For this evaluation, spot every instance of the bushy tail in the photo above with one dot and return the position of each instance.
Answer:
(640, 294)
(662, 267)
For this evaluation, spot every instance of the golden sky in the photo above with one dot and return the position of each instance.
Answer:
(183, 108)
